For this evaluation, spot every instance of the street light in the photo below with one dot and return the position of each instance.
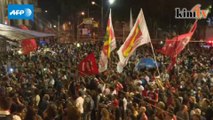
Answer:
(111, 2)
(82, 13)
(102, 11)
(93, 3)
(79, 15)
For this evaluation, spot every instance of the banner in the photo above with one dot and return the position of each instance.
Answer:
(28, 46)
(88, 66)
(138, 36)
(109, 45)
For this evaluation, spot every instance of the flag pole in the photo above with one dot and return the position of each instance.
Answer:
(153, 52)
(130, 20)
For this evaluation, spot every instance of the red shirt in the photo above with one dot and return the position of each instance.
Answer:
(116, 103)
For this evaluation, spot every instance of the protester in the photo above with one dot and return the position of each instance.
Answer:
(46, 85)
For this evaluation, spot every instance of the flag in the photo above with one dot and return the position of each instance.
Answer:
(168, 48)
(171, 64)
(23, 27)
(88, 66)
(109, 45)
(130, 20)
(184, 40)
(174, 46)
(28, 46)
(102, 66)
(138, 36)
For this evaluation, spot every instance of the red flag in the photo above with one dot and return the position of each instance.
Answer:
(183, 40)
(169, 46)
(23, 27)
(88, 66)
(174, 46)
(171, 64)
(28, 46)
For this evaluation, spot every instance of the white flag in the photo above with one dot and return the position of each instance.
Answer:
(109, 45)
(138, 36)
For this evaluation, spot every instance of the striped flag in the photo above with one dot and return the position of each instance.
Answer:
(138, 36)
(109, 45)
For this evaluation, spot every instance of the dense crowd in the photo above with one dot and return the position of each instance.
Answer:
(45, 85)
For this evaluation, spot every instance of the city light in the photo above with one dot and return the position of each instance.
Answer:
(54, 26)
(83, 13)
(93, 3)
(45, 11)
(111, 2)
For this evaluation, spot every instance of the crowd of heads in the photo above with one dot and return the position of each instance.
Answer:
(45, 85)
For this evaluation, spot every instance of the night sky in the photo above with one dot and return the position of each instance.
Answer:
(161, 12)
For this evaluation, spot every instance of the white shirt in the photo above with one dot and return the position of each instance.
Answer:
(37, 99)
(51, 82)
(16, 117)
(79, 104)
(125, 103)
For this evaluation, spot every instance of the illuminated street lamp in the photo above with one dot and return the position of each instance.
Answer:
(82, 13)
(102, 9)
(79, 15)
(93, 3)
(111, 2)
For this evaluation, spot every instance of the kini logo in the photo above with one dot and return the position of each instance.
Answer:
(194, 13)
(25, 12)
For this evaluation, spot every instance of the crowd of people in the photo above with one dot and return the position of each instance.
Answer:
(45, 85)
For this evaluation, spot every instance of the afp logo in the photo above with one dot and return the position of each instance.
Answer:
(25, 12)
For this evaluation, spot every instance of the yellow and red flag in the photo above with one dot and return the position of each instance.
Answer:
(138, 36)
(109, 45)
